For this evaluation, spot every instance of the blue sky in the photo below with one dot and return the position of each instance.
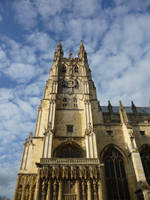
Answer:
(116, 35)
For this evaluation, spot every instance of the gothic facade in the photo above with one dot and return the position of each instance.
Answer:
(82, 150)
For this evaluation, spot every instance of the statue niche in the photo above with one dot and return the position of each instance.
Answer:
(68, 151)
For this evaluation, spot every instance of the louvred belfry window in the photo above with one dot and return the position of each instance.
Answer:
(145, 157)
(116, 182)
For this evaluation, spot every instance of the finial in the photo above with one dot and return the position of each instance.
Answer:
(59, 44)
(121, 106)
(81, 44)
(70, 55)
(133, 106)
(109, 106)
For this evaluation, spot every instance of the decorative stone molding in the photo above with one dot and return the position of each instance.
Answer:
(69, 161)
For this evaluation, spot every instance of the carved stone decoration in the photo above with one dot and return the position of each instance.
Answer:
(83, 190)
(44, 190)
(95, 190)
(55, 190)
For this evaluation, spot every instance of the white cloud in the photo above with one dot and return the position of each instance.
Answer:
(22, 72)
(26, 13)
(50, 8)
(1, 18)
(40, 41)
(4, 62)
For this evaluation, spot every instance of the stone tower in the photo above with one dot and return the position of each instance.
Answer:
(81, 150)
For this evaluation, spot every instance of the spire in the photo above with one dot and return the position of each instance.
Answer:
(109, 106)
(82, 53)
(58, 52)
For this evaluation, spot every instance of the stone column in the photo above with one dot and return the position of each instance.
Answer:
(100, 190)
(23, 193)
(48, 191)
(78, 189)
(95, 190)
(38, 121)
(89, 190)
(37, 189)
(50, 145)
(55, 190)
(50, 113)
(87, 145)
(83, 190)
(90, 145)
(60, 191)
(31, 189)
(94, 145)
(53, 116)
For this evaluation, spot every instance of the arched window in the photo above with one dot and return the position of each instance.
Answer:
(145, 157)
(76, 69)
(116, 182)
(68, 151)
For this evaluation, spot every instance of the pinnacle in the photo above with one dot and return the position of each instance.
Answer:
(81, 45)
(59, 46)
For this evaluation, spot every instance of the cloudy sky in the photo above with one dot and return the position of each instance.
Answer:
(116, 35)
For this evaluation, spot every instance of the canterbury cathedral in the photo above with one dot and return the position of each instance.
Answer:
(82, 150)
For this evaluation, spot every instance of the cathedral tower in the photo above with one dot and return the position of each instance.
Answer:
(81, 150)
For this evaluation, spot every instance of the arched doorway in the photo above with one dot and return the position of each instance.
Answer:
(145, 157)
(116, 182)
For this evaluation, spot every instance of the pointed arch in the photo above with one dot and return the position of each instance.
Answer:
(76, 69)
(69, 150)
(123, 153)
(115, 175)
(145, 158)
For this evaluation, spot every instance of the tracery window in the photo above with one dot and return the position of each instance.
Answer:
(69, 151)
(116, 182)
(26, 193)
(145, 157)
(76, 69)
